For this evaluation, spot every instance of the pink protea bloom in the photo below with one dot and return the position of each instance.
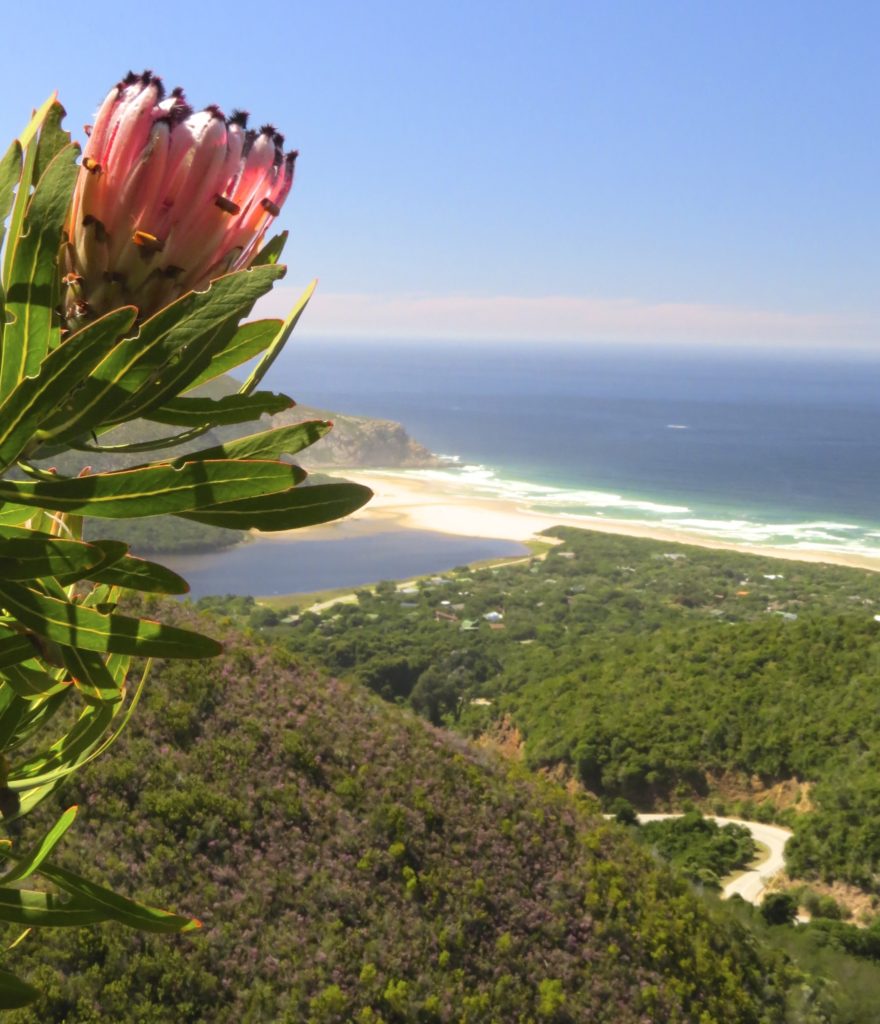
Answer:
(167, 199)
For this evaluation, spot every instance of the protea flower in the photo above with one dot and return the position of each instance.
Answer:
(167, 199)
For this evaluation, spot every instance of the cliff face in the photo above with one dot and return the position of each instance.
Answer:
(359, 442)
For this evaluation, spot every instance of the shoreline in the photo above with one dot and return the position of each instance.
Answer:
(406, 503)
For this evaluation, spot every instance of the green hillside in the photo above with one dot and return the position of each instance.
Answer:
(351, 863)
(650, 671)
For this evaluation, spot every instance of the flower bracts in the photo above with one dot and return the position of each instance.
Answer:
(167, 199)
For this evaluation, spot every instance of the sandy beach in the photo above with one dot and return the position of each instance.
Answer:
(402, 502)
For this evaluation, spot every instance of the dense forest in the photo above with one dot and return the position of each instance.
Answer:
(656, 672)
(352, 863)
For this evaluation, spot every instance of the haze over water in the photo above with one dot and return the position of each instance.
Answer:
(761, 448)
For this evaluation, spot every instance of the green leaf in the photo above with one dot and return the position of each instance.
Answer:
(14, 515)
(53, 138)
(112, 551)
(29, 558)
(192, 412)
(24, 717)
(139, 574)
(30, 684)
(14, 650)
(153, 490)
(289, 510)
(27, 140)
(74, 626)
(51, 401)
(91, 676)
(36, 121)
(115, 907)
(10, 719)
(23, 906)
(134, 377)
(27, 865)
(32, 291)
(37, 781)
(15, 993)
(269, 444)
(66, 754)
(248, 341)
(271, 251)
(261, 369)
(10, 172)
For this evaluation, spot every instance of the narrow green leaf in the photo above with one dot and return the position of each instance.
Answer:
(29, 558)
(261, 369)
(10, 171)
(271, 251)
(51, 401)
(139, 574)
(192, 412)
(27, 865)
(35, 715)
(37, 787)
(149, 445)
(74, 626)
(153, 490)
(133, 377)
(30, 684)
(27, 140)
(36, 121)
(91, 676)
(115, 907)
(248, 341)
(14, 515)
(66, 754)
(289, 510)
(23, 906)
(14, 650)
(53, 138)
(32, 291)
(15, 993)
(10, 719)
(269, 444)
(111, 551)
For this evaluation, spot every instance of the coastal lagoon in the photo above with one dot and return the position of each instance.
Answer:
(269, 565)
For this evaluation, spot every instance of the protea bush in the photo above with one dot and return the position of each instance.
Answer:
(126, 276)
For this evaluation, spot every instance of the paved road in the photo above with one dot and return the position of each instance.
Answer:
(752, 884)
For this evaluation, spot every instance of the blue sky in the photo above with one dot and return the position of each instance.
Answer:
(675, 171)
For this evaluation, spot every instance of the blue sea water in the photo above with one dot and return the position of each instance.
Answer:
(758, 447)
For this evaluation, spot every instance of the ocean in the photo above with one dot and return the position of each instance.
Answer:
(777, 448)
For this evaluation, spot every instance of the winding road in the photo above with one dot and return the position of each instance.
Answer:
(751, 884)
